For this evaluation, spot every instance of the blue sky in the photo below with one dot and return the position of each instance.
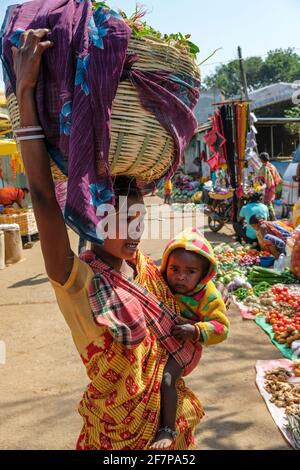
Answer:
(257, 26)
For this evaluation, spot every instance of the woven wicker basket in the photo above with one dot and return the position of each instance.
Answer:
(140, 146)
(221, 196)
(155, 54)
(24, 219)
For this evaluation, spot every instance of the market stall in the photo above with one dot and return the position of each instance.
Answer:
(269, 296)
(185, 189)
(231, 138)
(272, 299)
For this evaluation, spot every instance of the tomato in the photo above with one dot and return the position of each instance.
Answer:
(275, 312)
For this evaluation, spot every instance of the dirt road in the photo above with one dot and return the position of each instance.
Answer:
(43, 378)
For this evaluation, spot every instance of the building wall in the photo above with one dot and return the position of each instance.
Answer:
(205, 106)
(190, 155)
(284, 143)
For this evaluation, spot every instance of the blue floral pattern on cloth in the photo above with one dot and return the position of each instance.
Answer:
(99, 194)
(97, 33)
(81, 70)
(16, 36)
(115, 15)
(97, 29)
(185, 85)
(65, 118)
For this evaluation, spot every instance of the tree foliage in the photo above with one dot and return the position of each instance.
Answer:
(280, 65)
(293, 113)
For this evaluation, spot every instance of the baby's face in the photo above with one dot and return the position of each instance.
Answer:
(185, 270)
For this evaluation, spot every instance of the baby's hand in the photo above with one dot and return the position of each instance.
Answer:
(185, 332)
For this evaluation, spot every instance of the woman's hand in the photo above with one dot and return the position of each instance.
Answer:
(27, 59)
(184, 332)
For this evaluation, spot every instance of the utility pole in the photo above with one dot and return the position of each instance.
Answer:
(243, 74)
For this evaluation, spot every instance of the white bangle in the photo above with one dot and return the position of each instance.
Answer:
(28, 129)
(31, 137)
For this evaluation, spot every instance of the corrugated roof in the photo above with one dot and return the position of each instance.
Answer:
(272, 94)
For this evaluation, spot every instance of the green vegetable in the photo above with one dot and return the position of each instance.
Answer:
(97, 5)
(241, 293)
(141, 28)
(294, 427)
(259, 274)
(261, 287)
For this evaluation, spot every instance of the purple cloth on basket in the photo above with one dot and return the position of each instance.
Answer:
(78, 82)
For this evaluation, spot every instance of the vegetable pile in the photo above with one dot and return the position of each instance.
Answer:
(185, 190)
(259, 289)
(260, 304)
(285, 319)
(244, 256)
(259, 274)
(285, 394)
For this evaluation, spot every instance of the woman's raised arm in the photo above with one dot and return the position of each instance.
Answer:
(54, 238)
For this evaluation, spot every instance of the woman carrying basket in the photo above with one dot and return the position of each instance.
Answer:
(120, 405)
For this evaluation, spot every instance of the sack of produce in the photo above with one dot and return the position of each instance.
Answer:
(114, 97)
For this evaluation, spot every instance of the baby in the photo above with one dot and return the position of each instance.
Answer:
(188, 266)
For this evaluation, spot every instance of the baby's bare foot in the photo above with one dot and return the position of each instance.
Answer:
(163, 441)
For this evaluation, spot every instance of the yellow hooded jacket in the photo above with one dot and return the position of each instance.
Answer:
(205, 307)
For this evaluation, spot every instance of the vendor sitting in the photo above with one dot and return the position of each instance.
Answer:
(271, 236)
(10, 196)
(253, 207)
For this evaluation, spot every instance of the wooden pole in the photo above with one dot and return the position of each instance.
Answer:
(272, 142)
(243, 74)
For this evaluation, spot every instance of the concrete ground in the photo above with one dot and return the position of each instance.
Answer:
(43, 378)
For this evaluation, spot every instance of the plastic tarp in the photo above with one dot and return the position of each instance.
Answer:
(285, 350)
(278, 414)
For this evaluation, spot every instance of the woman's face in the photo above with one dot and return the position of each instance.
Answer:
(128, 230)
